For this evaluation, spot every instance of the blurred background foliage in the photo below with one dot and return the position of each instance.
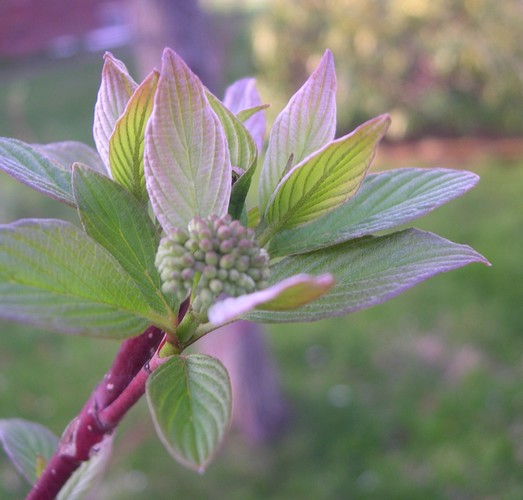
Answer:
(419, 398)
(445, 68)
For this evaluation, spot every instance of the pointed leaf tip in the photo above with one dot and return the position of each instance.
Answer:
(369, 271)
(116, 88)
(385, 200)
(186, 159)
(307, 123)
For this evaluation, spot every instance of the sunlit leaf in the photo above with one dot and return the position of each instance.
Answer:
(118, 221)
(368, 271)
(27, 444)
(287, 294)
(242, 152)
(326, 179)
(384, 201)
(187, 165)
(116, 88)
(54, 276)
(307, 123)
(190, 400)
(30, 167)
(126, 144)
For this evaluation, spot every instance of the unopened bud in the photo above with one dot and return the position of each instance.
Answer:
(216, 255)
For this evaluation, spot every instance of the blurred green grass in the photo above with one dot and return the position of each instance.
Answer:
(419, 398)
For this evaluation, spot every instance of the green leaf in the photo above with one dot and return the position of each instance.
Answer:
(246, 114)
(190, 402)
(66, 153)
(187, 164)
(307, 123)
(326, 179)
(242, 149)
(116, 88)
(368, 271)
(384, 201)
(30, 167)
(118, 221)
(54, 276)
(28, 445)
(126, 144)
(89, 475)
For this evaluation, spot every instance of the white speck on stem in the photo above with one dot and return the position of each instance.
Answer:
(110, 387)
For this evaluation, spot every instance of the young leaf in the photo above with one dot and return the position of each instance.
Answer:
(88, 476)
(66, 153)
(189, 399)
(241, 97)
(187, 165)
(127, 141)
(54, 276)
(288, 294)
(118, 221)
(307, 123)
(242, 152)
(116, 88)
(242, 149)
(245, 114)
(28, 445)
(369, 271)
(385, 200)
(30, 167)
(326, 179)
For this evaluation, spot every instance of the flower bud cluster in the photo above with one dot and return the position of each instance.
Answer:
(216, 255)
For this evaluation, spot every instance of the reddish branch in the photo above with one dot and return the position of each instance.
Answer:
(119, 390)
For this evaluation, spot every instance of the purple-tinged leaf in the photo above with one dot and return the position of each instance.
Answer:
(384, 201)
(126, 144)
(368, 271)
(325, 180)
(66, 153)
(307, 123)
(116, 88)
(28, 445)
(189, 398)
(243, 95)
(285, 295)
(187, 165)
(30, 167)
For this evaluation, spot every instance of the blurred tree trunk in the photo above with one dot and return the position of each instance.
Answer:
(179, 24)
(259, 410)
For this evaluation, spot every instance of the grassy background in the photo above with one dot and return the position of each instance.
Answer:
(417, 398)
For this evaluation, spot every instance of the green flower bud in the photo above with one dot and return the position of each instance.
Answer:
(221, 252)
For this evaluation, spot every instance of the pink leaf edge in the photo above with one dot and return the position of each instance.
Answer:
(296, 291)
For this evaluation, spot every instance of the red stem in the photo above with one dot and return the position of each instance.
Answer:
(120, 389)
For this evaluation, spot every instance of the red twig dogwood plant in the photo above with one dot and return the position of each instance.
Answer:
(169, 250)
